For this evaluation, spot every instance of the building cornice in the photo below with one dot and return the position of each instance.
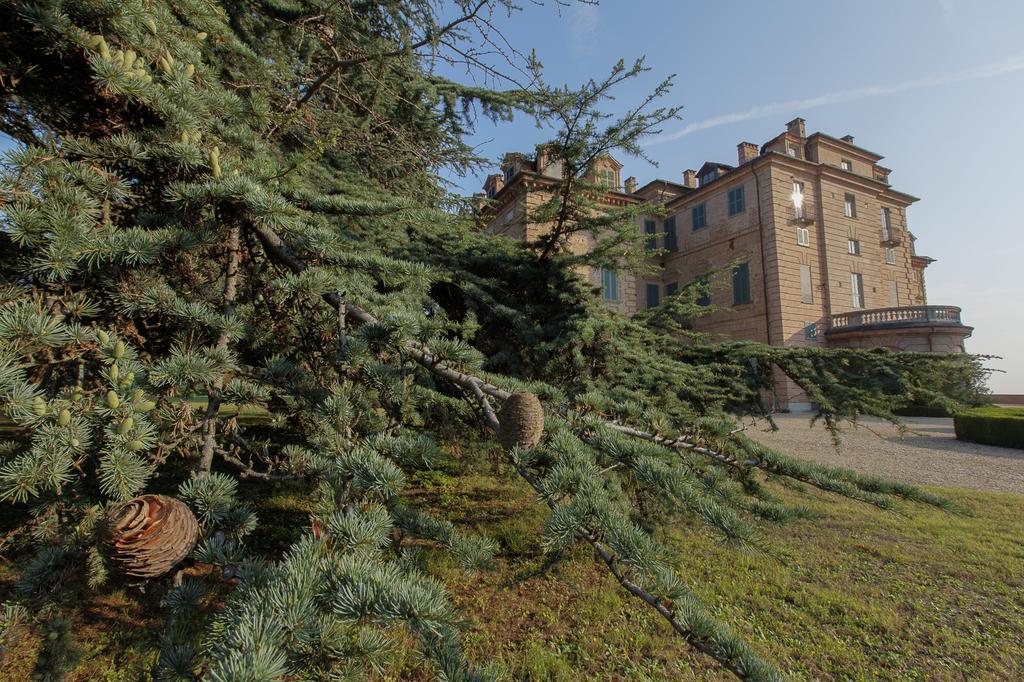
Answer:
(804, 165)
(530, 179)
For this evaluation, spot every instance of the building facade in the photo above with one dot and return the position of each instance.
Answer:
(805, 242)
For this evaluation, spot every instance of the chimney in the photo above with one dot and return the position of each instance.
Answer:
(848, 139)
(543, 157)
(689, 178)
(630, 185)
(746, 151)
(796, 128)
(493, 184)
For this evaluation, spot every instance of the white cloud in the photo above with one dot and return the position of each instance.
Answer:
(992, 70)
(584, 19)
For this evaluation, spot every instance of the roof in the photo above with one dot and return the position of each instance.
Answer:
(656, 181)
(713, 165)
(844, 143)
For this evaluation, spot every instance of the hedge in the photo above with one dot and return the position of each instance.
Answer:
(992, 426)
(922, 411)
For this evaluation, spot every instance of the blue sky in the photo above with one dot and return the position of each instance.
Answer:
(936, 86)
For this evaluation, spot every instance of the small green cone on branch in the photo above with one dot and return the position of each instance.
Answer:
(125, 426)
(113, 401)
(64, 418)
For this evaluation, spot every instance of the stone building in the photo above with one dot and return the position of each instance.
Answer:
(805, 240)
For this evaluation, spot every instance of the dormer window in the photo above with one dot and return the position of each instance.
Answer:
(606, 178)
(708, 177)
(510, 172)
(846, 165)
(791, 149)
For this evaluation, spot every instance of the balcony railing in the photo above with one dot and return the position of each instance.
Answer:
(896, 317)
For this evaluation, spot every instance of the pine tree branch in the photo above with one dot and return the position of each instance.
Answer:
(428, 39)
(680, 444)
(247, 471)
(277, 250)
(214, 394)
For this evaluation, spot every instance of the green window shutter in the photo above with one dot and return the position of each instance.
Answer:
(737, 201)
(704, 295)
(610, 284)
(699, 216)
(671, 240)
(653, 295)
(741, 284)
(671, 288)
(651, 228)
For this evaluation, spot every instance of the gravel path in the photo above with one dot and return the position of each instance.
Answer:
(928, 454)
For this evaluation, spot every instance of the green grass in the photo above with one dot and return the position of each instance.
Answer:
(860, 594)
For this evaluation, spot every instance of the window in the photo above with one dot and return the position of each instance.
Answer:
(846, 165)
(853, 246)
(671, 288)
(890, 255)
(671, 241)
(700, 217)
(510, 172)
(653, 295)
(606, 178)
(886, 224)
(791, 149)
(609, 284)
(650, 228)
(803, 236)
(704, 290)
(708, 177)
(894, 294)
(850, 206)
(798, 200)
(741, 284)
(737, 200)
(857, 289)
(806, 293)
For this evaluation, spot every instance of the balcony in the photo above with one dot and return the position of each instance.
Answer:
(896, 317)
(917, 328)
(891, 237)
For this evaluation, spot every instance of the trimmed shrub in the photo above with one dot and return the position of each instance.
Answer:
(922, 411)
(992, 426)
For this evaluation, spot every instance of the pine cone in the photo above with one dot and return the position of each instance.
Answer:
(521, 421)
(148, 535)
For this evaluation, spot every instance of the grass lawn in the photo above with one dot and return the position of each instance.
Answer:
(858, 594)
